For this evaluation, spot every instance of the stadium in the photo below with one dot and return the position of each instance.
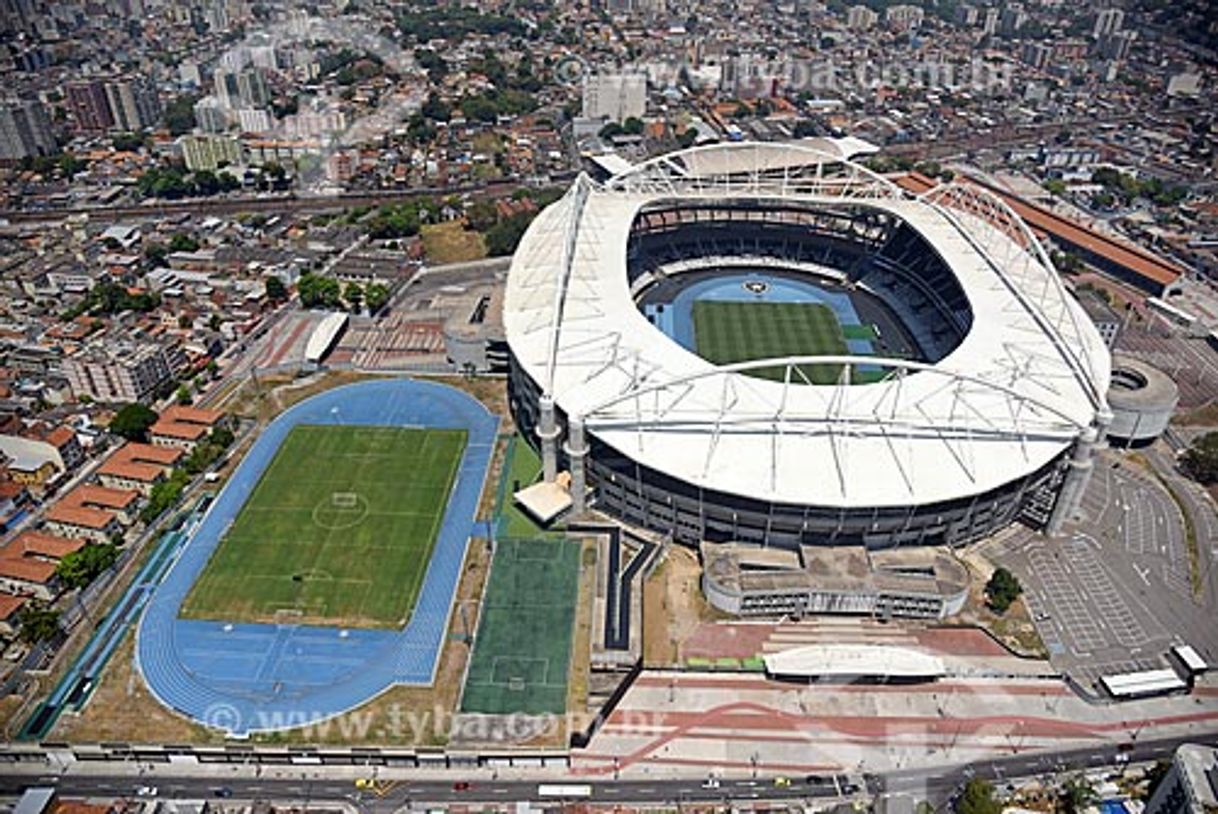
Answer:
(769, 343)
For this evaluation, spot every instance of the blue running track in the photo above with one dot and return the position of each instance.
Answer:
(246, 678)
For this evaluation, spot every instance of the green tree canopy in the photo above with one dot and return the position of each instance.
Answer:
(376, 295)
(86, 564)
(1201, 459)
(276, 291)
(978, 798)
(1002, 589)
(132, 421)
(319, 292)
(38, 624)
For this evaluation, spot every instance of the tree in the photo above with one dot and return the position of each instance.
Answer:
(354, 295)
(180, 115)
(182, 242)
(318, 292)
(38, 624)
(376, 295)
(978, 798)
(503, 237)
(86, 564)
(1076, 795)
(183, 396)
(132, 421)
(276, 291)
(1201, 459)
(1002, 589)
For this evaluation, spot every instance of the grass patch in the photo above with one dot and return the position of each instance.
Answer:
(339, 529)
(450, 242)
(727, 332)
(522, 468)
(522, 651)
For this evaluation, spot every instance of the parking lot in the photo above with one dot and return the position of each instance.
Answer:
(1114, 592)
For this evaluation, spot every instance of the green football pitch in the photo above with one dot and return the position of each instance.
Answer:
(523, 647)
(727, 332)
(339, 529)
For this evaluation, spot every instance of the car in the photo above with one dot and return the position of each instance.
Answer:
(782, 782)
(817, 780)
(364, 782)
(710, 783)
(462, 785)
(145, 791)
(224, 792)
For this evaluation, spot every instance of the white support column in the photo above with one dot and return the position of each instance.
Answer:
(577, 449)
(547, 431)
(1078, 473)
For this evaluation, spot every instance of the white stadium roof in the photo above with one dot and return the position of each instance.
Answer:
(1021, 386)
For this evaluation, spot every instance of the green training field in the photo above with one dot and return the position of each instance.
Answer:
(523, 648)
(727, 332)
(339, 529)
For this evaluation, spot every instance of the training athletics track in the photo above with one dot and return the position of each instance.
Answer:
(245, 678)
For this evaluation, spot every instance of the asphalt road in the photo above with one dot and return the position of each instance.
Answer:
(936, 784)
(405, 793)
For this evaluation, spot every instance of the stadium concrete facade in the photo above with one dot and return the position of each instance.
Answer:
(977, 393)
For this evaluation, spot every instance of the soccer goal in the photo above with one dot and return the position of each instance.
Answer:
(344, 500)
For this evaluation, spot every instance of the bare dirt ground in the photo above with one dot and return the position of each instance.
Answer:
(1014, 628)
(673, 607)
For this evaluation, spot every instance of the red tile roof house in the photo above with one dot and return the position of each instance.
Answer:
(10, 610)
(28, 577)
(183, 427)
(122, 502)
(82, 522)
(138, 466)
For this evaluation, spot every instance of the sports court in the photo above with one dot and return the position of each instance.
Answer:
(245, 677)
(727, 332)
(738, 317)
(339, 529)
(523, 647)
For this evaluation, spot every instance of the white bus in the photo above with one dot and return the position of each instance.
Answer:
(565, 791)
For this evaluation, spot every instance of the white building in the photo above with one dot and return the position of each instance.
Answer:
(1108, 21)
(25, 130)
(615, 96)
(133, 103)
(860, 18)
(1189, 785)
(209, 151)
(903, 18)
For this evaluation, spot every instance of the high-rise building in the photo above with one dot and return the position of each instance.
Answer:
(903, 17)
(967, 15)
(1108, 21)
(1036, 54)
(252, 87)
(244, 88)
(615, 96)
(89, 105)
(1013, 18)
(1191, 785)
(1116, 45)
(860, 18)
(210, 115)
(25, 130)
(989, 25)
(123, 373)
(134, 104)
